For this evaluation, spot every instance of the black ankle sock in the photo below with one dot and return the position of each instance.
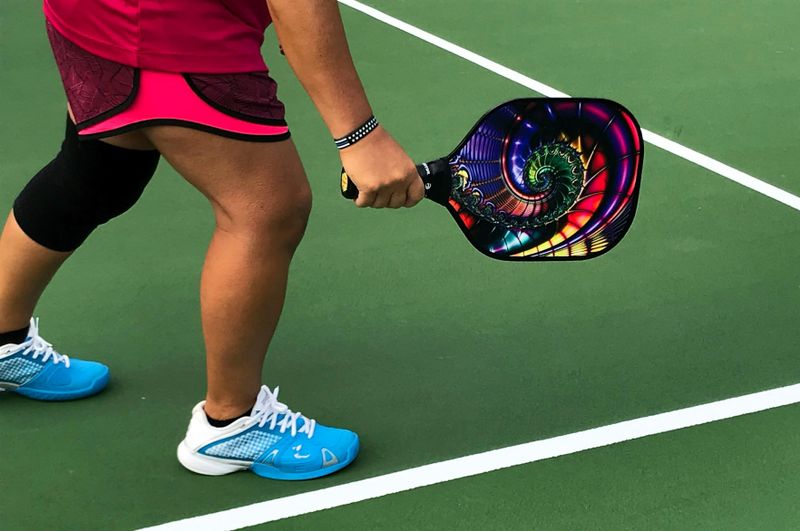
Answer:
(222, 423)
(15, 336)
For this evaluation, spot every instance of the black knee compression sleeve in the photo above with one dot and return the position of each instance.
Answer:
(87, 184)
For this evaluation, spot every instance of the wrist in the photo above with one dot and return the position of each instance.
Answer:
(357, 134)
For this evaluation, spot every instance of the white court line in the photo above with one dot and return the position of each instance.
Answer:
(472, 465)
(481, 463)
(655, 139)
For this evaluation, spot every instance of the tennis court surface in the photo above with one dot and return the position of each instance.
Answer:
(395, 327)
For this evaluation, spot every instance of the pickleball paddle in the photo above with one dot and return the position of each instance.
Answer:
(541, 179)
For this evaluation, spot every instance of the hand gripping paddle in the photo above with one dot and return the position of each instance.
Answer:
(541, 179)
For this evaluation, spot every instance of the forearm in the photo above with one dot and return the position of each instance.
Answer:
(312, 36)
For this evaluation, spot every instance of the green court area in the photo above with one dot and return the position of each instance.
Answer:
(395, 327)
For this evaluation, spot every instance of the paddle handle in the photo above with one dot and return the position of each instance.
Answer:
(435, 176)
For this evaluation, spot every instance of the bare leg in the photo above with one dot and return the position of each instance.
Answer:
(261, 201)
(25, 270)
(26, 267)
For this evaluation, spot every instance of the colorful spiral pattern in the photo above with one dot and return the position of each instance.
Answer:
(541, 178)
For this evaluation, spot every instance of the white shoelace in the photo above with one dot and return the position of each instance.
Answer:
(268, 409)
(36, 346)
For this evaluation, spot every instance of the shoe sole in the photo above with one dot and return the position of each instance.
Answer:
(211, 466)
(60, 396)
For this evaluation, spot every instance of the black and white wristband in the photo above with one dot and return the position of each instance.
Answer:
(348, 140)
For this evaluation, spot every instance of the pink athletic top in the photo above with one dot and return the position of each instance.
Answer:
(190, 36)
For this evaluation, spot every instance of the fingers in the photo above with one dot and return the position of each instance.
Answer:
(382, 198)
(397, 200)
(415, 193)
(387, 198)
(379, 198)
(365, 198)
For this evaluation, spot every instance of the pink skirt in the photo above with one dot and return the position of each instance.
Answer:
(107, 98)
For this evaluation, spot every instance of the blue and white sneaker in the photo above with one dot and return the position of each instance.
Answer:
(273, 442)
(34, 369)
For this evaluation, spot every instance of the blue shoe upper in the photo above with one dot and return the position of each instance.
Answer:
(34, 369)
(285, 442)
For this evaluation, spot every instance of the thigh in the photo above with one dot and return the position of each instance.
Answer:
(235, 173)
(134, 140)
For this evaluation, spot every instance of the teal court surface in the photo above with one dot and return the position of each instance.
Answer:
(395, 327)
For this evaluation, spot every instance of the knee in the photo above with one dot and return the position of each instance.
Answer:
(273, 219)
(292, 217)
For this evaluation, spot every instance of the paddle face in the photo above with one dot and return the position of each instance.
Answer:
(541, 179)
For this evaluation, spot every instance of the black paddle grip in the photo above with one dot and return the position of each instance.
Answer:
(435, 176)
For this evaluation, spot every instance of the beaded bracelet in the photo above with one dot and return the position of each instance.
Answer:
(358, 134)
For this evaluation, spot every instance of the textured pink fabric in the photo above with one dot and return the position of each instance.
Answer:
(167, 96)
(93, 85)
(202, 36)
(252, 94)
